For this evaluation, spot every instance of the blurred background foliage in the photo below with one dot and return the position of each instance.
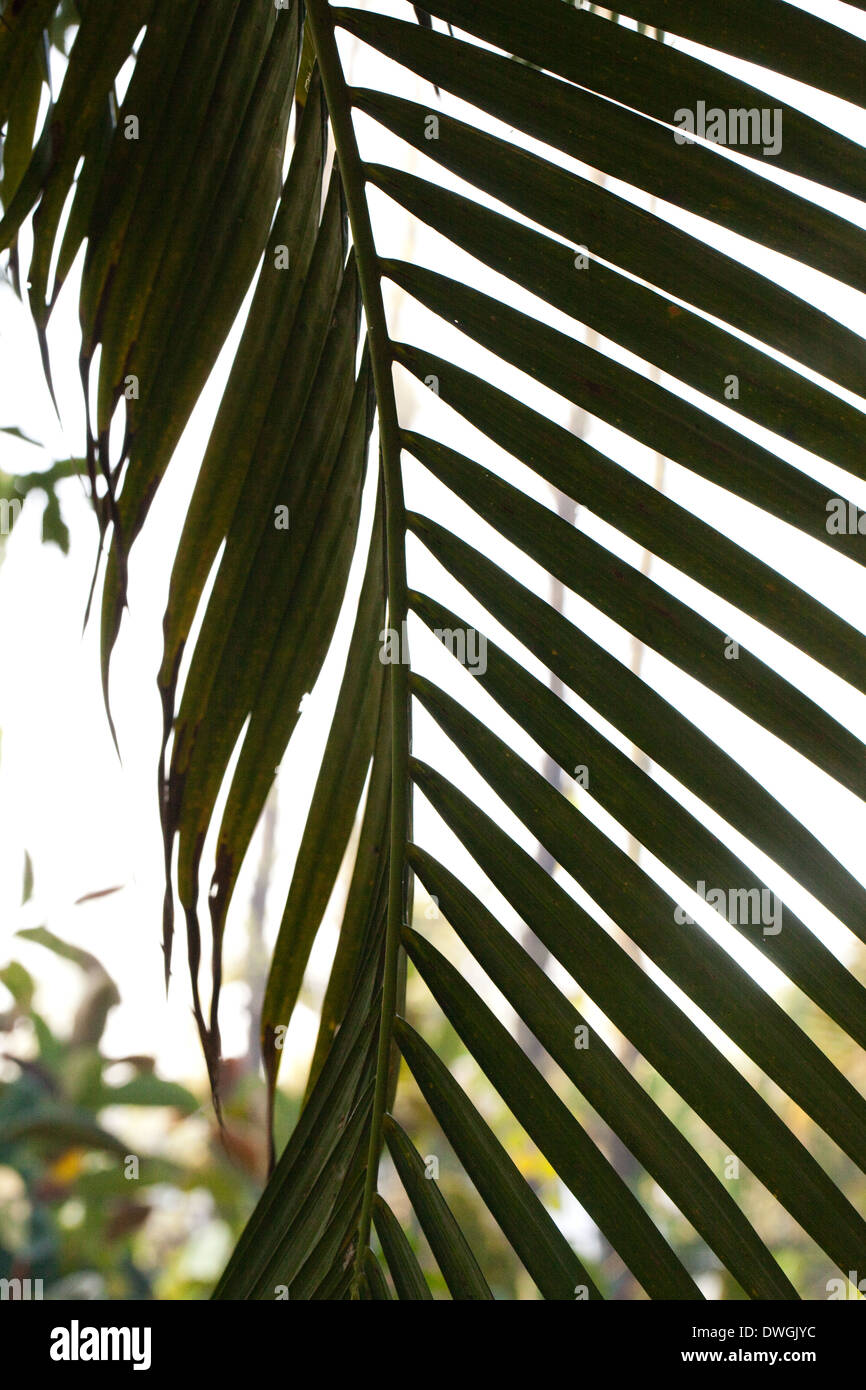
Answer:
(16, 488)
(114, 1182)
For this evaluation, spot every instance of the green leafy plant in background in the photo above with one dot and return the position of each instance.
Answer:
(15, 488)
(176, 184)
(93, 1204)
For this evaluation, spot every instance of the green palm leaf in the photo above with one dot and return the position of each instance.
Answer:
(184, 192)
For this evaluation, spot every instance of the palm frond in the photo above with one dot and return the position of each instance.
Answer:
(644, 255)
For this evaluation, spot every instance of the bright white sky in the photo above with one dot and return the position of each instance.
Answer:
(90, 822)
